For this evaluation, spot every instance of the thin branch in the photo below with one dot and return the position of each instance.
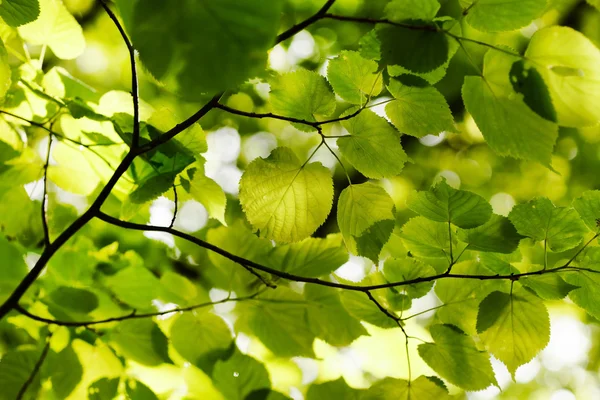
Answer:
(424, 312)
(259, 277)
(398, 322)
(135, 93)
(314, 124)
(45, 195)
(133, 314)
(36, 369)
(175, 200)
(302, 25)
(581, 249)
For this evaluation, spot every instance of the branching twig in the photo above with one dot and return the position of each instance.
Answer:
(36, 369)
(314, 124)
(133, 314)
(259, 277)
(398, 322)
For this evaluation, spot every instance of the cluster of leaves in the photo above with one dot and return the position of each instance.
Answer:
(87, 310)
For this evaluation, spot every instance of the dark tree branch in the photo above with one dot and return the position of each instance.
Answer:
(177, 129)
(135, 93)
(316, 281)
(36, 369)
(302, 25)
(131, 315)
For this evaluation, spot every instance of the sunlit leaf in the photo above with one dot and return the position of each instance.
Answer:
(560, 227)
(283, 199)
(456, 358)
(514, 327)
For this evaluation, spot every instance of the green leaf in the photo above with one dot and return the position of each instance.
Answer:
(587, 295)
(437, 74)
(373, 146)
(135, 285)
(12, 268)
(152, 188)
(337, 389)
(403, 10)
(399, 270)
(5, 73)
(461, 297)
(278, 319)
(328, 318)
(239, 376)
(560, 227)
(547, 286)
(499, 15)
(105, 365)
(417, 50)
(588, 207)
(66, 372)
(237, 49)
(594, 3)
(508, 125)
(283, 199)
(514, 327)
(302, 94)
(361, 206)
(141, 340)
(443, 203)
(57, 29)
(456, 358)
(73, 172)
(422, 388)
(178, 289)
(418, 111)
(19, 12)
(16, 368)
(371, 242)
(312, 257)
(205, 191)
(75, 299)
(426, 238)
(103, 389)
(354, 78)
(498, 235)
(570, 65)
(238, 240)
(531, 85)
(201, 338)
(362, 308)
(136, 390)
